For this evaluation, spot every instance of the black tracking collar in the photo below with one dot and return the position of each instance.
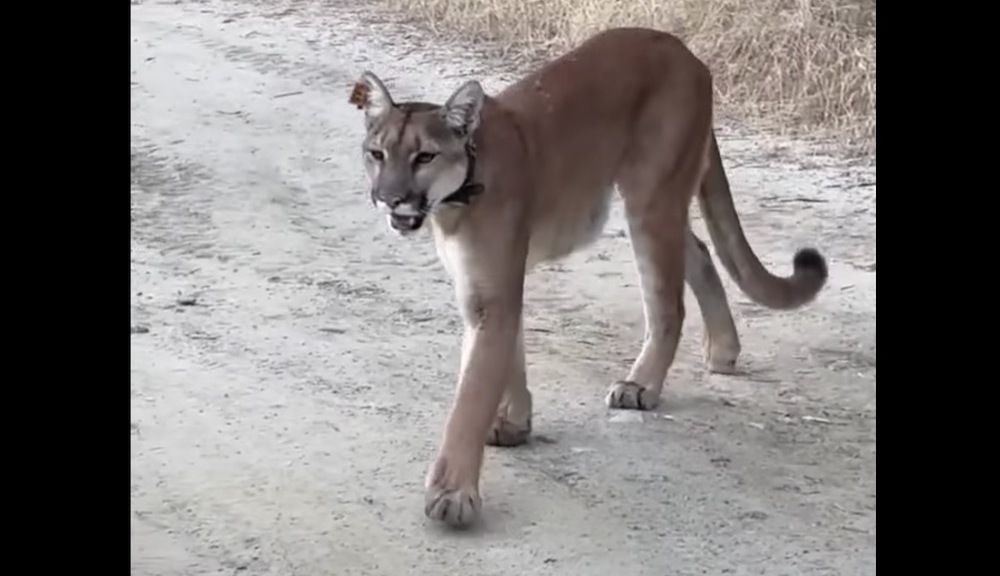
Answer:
(469, 189)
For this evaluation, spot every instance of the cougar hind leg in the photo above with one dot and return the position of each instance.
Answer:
(665, 166)
(657, 214)
(658, 246)
(721, 339)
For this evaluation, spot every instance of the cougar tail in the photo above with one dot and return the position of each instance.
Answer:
(738, 258)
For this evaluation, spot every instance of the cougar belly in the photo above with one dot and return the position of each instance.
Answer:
(558, 234)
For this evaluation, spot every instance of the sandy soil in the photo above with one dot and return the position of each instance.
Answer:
(292, 359)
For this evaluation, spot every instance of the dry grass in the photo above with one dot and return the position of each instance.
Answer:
(802, 66)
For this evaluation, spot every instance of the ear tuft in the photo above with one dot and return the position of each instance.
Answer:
(370, 94)
(359, 95)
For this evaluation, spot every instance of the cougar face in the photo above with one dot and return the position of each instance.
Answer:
(414, 152)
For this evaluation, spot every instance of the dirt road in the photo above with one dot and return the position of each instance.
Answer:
(292, 359)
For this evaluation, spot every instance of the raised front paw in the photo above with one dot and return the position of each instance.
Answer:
(450, 500)
(630, 396)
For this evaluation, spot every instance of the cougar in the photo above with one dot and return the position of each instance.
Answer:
(507, 181)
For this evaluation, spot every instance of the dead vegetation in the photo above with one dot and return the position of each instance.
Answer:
(805, 67)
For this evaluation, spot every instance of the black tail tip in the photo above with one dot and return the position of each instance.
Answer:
(809, 260)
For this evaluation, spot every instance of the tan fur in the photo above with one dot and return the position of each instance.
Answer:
(630, 108)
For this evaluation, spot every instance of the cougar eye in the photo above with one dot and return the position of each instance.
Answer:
(377, 155)
(424, 157)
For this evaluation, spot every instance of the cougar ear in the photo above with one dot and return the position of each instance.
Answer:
(370, 95)
(461, 111)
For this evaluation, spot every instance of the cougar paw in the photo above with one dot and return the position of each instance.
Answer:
(721, 358)
(451, 495)
(508, 434)
(631, 396)
(456, 507)
(721, 365)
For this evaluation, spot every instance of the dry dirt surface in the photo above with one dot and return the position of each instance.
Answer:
(293, 359)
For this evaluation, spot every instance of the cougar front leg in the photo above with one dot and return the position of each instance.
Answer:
(721, 340)
(512, 424)
(490, 343)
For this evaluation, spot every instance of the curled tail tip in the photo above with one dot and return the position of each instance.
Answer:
(810, 261)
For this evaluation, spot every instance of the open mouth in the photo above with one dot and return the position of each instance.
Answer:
(404, 223)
